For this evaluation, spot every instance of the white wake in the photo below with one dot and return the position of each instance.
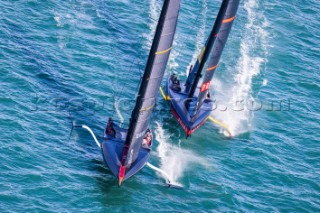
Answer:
(117, 109)
(174, 160)
(154, 13)
(238, 96)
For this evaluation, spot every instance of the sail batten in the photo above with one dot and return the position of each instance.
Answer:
(154, 72)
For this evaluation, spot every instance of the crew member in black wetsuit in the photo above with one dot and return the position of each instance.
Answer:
(110, 130)
(175, 83)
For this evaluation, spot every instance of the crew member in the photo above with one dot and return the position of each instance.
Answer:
(175, 83)
(147, 139)
(110, 130)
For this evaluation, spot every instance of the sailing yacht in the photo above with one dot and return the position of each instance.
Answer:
(191, 105)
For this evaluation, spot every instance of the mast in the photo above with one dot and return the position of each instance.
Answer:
(210, 42)
(217, 50)
(194, 69)
(151, 80)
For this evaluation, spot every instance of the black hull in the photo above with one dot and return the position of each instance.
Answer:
(178, 101)
(112, 149)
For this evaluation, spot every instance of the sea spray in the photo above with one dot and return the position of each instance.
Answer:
(233, 97)
(175, 161)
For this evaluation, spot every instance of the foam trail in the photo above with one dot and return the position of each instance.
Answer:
(154, 14)
(265, 82)
(253, 51)
(172, 64)
(174, 160)
(117, 109)
(200, 36)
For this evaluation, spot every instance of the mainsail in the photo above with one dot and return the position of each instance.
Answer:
(154, 71)
(196, 75)
(217, 49)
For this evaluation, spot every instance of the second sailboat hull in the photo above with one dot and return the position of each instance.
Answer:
(178, 101)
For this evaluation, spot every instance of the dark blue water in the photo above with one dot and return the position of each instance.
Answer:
(64, 61)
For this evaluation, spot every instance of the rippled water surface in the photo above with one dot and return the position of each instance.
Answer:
(72, 60)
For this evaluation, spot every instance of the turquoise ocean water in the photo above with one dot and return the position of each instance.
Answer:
(72, 60)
